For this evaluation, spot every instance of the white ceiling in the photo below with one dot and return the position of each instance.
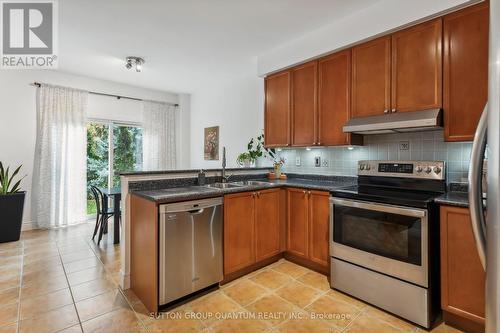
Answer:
(183, 41)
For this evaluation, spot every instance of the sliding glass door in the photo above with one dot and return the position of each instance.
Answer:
(111, 148)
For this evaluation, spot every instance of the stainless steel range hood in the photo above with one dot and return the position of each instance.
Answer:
(396, 122)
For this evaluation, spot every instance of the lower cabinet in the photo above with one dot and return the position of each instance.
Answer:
(308, 223)
(251, 228)
(462, 276)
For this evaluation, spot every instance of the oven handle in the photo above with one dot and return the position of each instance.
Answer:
(380, 207)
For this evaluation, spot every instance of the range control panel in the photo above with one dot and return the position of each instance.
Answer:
(403, 169)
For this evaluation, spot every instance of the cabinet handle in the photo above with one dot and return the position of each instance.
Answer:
(305, 192)
(309, 193)
(386, 111)
(394, 111)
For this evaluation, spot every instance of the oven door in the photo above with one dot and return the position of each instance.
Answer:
(392, 240)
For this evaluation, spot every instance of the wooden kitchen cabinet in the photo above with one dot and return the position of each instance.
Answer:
(334, 104)
(239, 231)
(308, 225)
(277, 110)
(267, 224)
(417, 69)
(319, 221)
(462, 275)
(298, 223)
(465, 70)
(371, 78)
(304, 104)
(252, 228)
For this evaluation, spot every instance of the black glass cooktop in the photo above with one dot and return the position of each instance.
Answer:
(392, 196)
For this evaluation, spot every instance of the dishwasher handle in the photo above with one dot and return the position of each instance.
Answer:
(196, 212)
(195, 206)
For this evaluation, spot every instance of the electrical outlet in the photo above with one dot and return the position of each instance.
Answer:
(297, 161)
(404, 145)
(324, 163)
(317, 161)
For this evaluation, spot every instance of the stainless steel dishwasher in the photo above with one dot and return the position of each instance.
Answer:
(190, 247)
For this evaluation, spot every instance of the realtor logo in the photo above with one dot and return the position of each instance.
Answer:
(28, 34)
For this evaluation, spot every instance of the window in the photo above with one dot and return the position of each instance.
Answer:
(111, 148)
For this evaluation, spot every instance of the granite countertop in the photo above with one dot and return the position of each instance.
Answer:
(159, 172)
(459, 199)
(174, 194)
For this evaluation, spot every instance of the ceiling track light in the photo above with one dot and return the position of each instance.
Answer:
(136, 62)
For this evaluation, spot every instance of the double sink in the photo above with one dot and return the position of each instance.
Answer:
(240, 184)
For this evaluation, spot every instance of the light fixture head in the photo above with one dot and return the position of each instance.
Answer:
(136, 62)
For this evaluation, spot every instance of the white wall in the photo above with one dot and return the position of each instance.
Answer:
(382, 17)
(235, 104)
(18, 113)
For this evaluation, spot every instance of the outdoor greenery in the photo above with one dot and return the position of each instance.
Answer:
(7, 185)
(127, 142)
(127, 155)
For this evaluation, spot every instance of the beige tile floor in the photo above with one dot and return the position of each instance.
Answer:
(61, 281)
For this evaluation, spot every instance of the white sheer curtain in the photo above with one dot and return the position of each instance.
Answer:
(158, 136)
(60, 157)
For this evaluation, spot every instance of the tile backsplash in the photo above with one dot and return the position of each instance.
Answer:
(421, 146)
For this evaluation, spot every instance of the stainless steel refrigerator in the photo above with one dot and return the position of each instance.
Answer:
(485, 213)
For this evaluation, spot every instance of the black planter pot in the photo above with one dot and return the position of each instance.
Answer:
(11, 216)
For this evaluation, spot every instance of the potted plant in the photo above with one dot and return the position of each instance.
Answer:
(256, 149)
(11, 205)
(245, 160)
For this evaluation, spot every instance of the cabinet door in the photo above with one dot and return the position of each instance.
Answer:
(371, 78)
(462, 276)
(304, 98)
(465, 71)
(417, 69)
(334, 98)
(319, 221)
(298, 220)
(277, 110)
(267, 224)
(239, 250)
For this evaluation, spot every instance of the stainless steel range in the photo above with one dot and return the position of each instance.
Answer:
(384, 237)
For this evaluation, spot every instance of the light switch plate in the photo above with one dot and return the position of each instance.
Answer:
(317, 161)
(324, 163)
(404, 145)
(297, 161)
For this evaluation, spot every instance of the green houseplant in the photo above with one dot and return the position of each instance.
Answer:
(245, 160)
(255, 150)
(11, 204)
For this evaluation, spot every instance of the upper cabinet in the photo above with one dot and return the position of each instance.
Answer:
(465, 71)
(442, 63)
(417, 69)
(371, 78)
(277, 110)
(334, 106)
(398, 73)
(304, 104)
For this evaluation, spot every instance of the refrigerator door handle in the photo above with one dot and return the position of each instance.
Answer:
(475, 189)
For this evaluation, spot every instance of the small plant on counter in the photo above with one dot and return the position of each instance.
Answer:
(256, 150)
(11, 204)
(245, 160)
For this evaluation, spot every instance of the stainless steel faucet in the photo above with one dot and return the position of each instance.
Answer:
(224, 177)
